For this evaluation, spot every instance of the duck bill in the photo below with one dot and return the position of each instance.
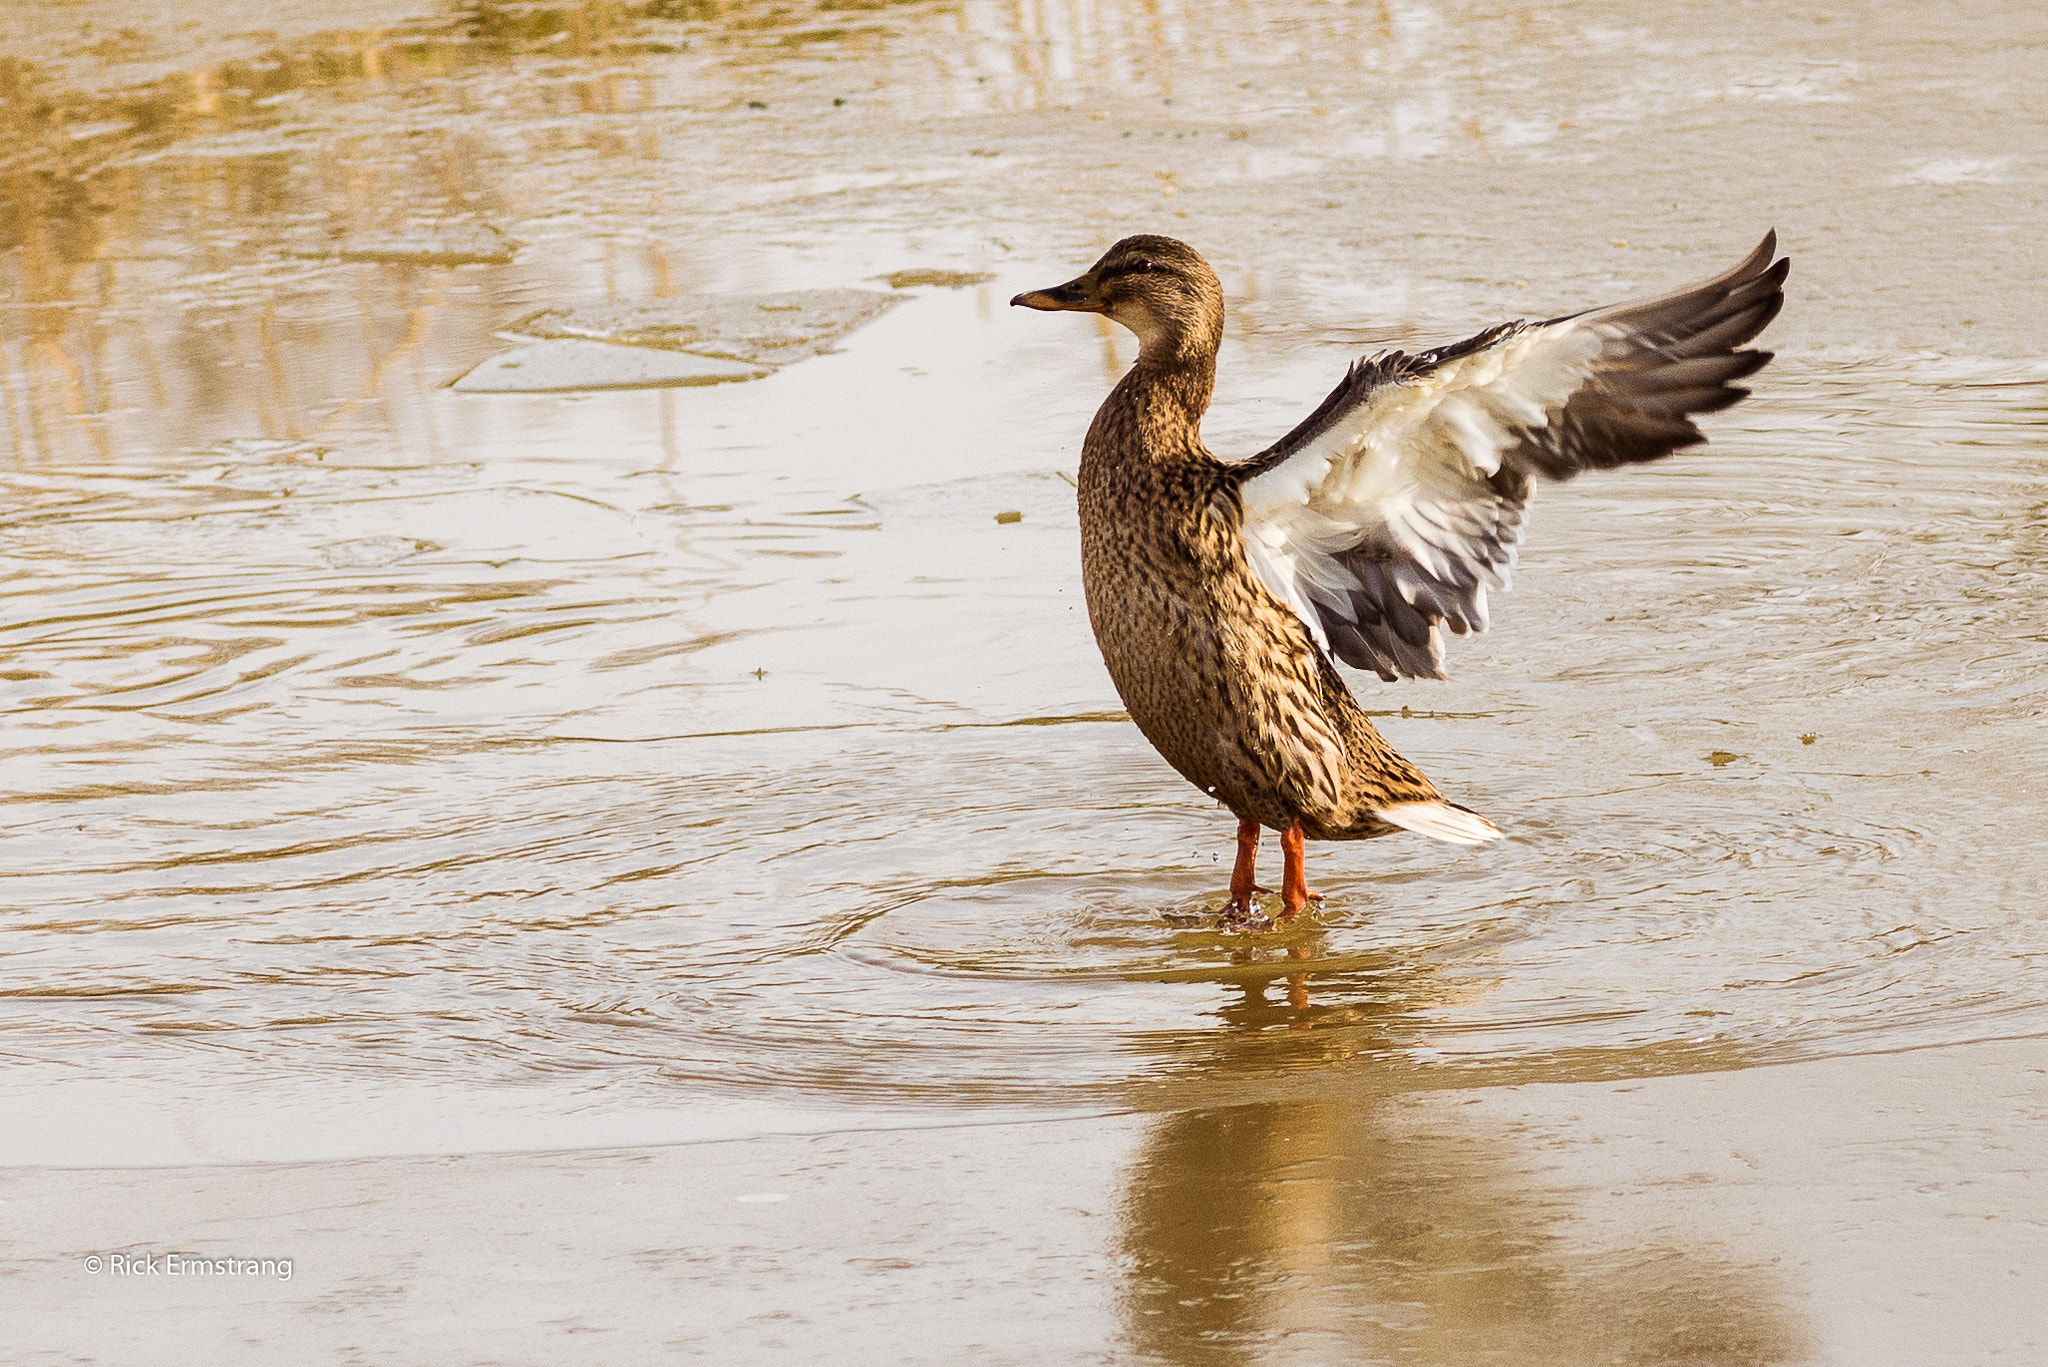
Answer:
(1076, 296)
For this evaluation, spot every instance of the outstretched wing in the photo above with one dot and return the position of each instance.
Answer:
(1397, 505)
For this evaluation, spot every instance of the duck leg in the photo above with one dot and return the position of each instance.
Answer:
(1294, 893)
(1244, 883)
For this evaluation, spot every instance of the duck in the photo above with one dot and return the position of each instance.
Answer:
(1224, 593)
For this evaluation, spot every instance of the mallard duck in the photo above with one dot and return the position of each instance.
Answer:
(1221, 592)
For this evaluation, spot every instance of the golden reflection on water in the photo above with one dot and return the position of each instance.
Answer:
(174, 258)
(1385, 1229)
(181, 248)
(1365, 1217)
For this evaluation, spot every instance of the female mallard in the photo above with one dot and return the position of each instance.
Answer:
(1219, 591)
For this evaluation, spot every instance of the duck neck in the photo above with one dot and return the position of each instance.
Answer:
(1166, 391)
(1186, 374)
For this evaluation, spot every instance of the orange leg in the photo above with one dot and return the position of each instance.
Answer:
(1294, 893)
(1244, 883)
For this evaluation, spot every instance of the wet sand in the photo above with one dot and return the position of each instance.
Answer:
(472, 842)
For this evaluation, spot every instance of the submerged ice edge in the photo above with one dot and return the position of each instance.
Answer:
(134, 1124)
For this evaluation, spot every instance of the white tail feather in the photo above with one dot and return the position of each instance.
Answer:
(1440, 820)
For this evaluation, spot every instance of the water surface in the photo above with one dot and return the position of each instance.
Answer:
(628, 757)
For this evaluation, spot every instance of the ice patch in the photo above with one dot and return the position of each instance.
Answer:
(763, 329)
(568, 363)
(697, 339)
(1953, 171)
(449, 244)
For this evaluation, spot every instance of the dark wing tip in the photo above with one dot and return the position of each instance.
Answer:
(1668, 359)
(1765, 250)
(1750, 362)
(1758, 264)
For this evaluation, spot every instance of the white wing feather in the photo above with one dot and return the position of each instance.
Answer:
(1401, 463)
(1393, 511)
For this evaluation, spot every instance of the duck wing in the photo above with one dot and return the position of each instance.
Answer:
(1392, 510)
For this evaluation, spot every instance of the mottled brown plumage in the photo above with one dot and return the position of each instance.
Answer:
(1232, 684)
(1222, 678)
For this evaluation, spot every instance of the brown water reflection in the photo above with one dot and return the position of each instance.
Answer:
(1318, 1231)
(1357, 1214)
(204, 221)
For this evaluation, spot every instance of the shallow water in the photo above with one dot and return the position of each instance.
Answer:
(653, 753)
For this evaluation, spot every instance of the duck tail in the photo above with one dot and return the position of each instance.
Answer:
(1440, 820)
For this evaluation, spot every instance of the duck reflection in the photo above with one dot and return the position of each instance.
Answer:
(1254, 1011)
(1384, 1229)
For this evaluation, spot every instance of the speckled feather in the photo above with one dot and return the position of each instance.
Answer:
(1222, 678)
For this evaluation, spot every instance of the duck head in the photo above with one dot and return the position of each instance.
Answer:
(1159, 288)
